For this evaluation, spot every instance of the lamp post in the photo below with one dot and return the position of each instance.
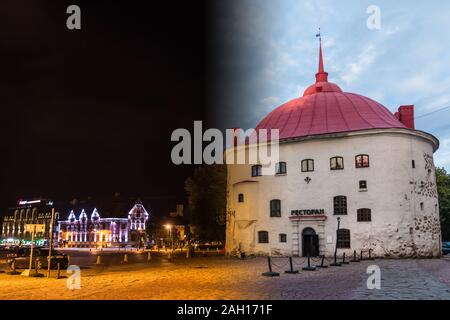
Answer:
(335, 263)
(169, 227)
(50, 245)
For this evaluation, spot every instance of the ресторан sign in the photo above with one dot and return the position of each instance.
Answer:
(309, 212)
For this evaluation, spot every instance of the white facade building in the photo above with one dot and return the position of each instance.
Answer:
(342, 156)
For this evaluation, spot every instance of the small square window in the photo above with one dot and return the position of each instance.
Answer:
(240, 197)
(362, 184)
(364, 214)
(283, 237)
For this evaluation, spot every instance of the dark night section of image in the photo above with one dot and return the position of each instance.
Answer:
(90, 112)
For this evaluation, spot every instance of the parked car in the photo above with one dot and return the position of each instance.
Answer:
(22, 258)
(445, 248)
(4, 251)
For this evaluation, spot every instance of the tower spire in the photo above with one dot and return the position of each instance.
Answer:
(321, 75)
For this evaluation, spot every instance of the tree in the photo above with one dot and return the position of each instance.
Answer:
(206, 191)
(443, 187)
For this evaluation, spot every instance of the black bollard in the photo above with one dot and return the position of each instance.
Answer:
(322, 265)
(361, 255)
(58, 273)
(13, 271)
(343, 259)
(335, 263)
(270, 273)
(309, 268)
(291, 270)
(37, 267)
(354, 257)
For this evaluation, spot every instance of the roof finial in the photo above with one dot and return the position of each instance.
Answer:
(321, 75)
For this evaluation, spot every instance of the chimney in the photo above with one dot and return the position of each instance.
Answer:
(405, 115)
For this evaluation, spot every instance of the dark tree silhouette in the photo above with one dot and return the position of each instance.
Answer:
(206, 191)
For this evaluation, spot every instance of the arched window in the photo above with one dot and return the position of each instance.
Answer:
(337, 163)
(362, 161)
(283, 237)
(275, 208)
(240, 197)
(34, 214)
(256, 170)
(340, 205)
(343, 238)
(263, 237)
(307, 165)
(364, 214)
(28, 214)
(280, 168)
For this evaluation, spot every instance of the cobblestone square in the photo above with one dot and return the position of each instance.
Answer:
(217, 277)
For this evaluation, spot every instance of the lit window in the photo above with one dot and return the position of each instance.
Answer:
(362, 161)
(337, 163)
(283, 237)
(256, 170)
(275, 208)
(263, 237)
(364, 215)
(280, 168)
(343, 239)
(340, 205)
(307, 165)
(240, 197)
(362, 184)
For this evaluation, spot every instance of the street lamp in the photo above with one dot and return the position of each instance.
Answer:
(335, 263)
(169, 227)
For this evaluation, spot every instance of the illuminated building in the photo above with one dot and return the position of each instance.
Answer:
(96, 231)
(28, 212)
(137, 218)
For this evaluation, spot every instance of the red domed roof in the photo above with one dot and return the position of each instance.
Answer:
(325, 108)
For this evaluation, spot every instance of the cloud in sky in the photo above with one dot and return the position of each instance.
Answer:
(275, 56)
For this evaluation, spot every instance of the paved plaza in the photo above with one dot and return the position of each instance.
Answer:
(217, 277)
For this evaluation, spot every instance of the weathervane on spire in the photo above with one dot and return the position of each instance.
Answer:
(319, 36)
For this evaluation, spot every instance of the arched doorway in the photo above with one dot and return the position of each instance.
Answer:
(310, 243)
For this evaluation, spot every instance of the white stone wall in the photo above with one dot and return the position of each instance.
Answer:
(399, 226)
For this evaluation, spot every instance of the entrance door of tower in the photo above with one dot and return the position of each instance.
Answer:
(310, 243)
